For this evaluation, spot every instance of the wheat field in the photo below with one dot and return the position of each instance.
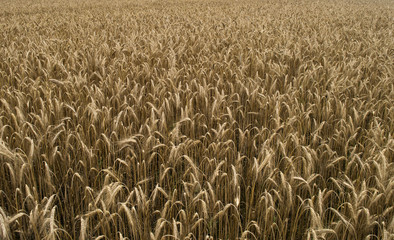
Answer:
(196, 119)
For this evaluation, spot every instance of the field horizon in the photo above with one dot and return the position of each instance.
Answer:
(196, 119)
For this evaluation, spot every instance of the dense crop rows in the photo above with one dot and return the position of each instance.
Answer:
(196, 120)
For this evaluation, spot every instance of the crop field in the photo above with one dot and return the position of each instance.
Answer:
(197, 119)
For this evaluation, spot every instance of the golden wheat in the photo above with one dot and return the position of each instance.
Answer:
(196, 119)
